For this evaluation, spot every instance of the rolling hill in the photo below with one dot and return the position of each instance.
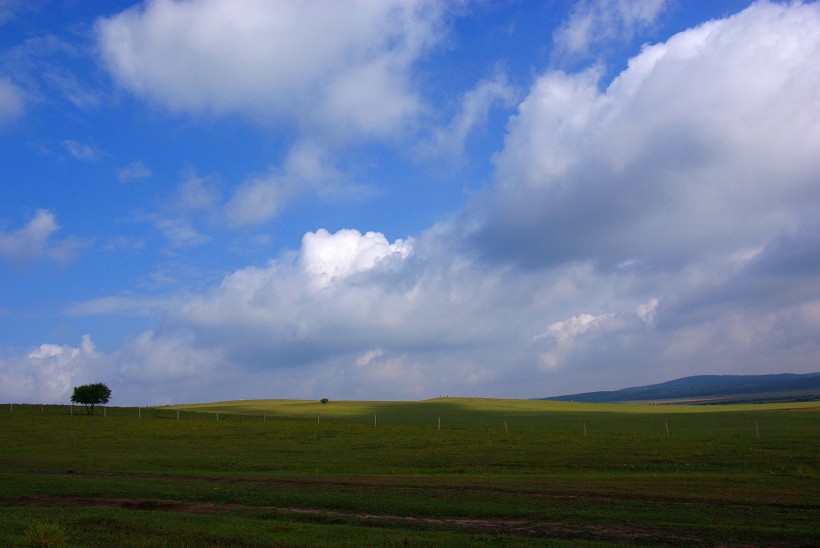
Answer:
(713, 389)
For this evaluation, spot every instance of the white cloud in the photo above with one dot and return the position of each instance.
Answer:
(33, 241)
(9, 8)
(308, 169)
(571, 328)
(46, 374)
(686, 186)
(474, 108)
(80, 151)
(146, 370)
(181, 233)
(155, 356)
(129, 305)
(356, 310)
(27, 243)
(12, 101)
(133, 171)
(194, 202)
(197, 194)
(339, 297)
(44, 68)
(72, 89)
(339, 69)
(367, 357)
(597, 22)
(329, 258)
(676, 159)
(646, 311)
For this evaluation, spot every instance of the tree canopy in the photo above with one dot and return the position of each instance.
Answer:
(91, 395)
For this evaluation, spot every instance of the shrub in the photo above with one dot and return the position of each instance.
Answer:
(43, 534)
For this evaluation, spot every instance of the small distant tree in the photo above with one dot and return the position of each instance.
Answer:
(324, 401)
(91, 395)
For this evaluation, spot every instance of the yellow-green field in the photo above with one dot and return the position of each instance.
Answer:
(466, 409)
(495, 472)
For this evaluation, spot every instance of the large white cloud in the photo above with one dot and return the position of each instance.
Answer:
(704, 144)
(339, 69)
(346, 315)
(690, 183)
(354, 315)
(339, 291)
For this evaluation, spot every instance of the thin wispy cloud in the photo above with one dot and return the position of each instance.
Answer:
(134, 171)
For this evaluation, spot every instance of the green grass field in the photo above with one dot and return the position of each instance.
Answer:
(496, 472)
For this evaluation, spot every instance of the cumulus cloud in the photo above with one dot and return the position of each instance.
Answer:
(315, 314)
(676, 159)
(33, 241)
(355, 314)
(153, 368)
(339, 69)
(47, 374)
(686, 186)
(330, 258)
(317, 302)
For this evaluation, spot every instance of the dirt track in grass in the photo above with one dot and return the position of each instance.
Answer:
(504, 526)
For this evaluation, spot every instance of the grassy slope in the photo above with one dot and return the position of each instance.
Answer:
(712, 479)
(782, 387)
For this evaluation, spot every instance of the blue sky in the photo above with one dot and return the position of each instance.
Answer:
(208, 200)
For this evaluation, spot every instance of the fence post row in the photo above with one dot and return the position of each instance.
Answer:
(375, 418)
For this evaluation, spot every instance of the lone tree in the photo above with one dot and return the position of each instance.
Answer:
(324, 401)
(91, 395)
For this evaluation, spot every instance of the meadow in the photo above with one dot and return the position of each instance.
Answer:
(449, 471)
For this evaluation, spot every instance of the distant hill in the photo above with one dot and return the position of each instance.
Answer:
(714, 389)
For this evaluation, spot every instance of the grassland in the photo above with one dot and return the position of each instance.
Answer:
(495, 472)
